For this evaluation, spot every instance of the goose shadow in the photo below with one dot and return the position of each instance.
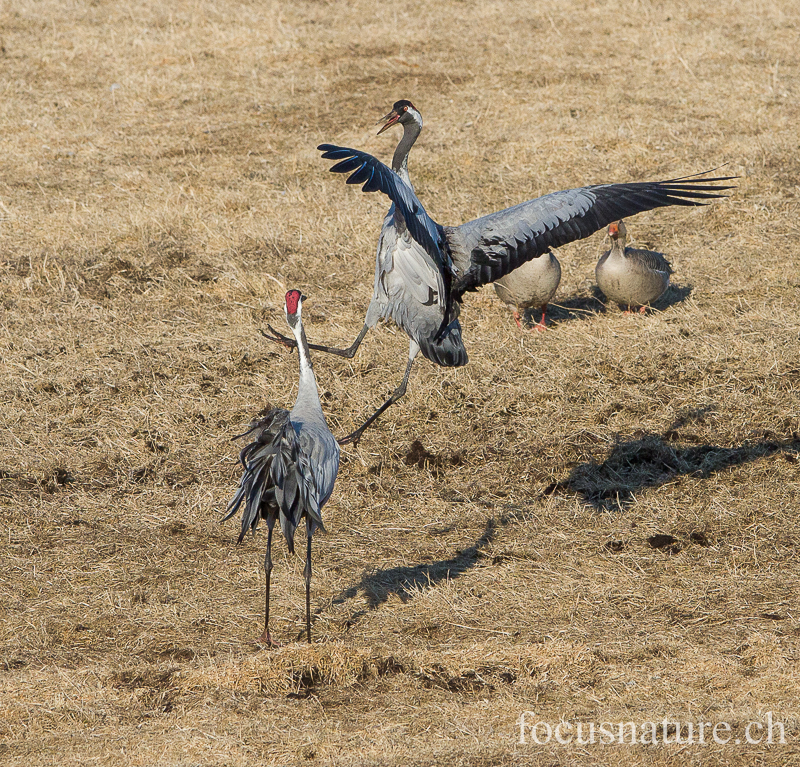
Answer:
(570, 309)
(674, 294)
(377, 586)
(653, 460)
(584, 307)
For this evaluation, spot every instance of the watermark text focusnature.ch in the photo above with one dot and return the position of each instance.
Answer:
(534, 731)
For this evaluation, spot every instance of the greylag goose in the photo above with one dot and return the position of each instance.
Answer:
(530, 286)
(631, 277)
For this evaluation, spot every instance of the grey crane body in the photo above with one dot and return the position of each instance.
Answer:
(290, 467)
(410, 290)
(631, 277)
(423, 268)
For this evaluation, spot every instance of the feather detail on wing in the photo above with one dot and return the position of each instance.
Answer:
(376, 177)
(496, 244)
(650, 259)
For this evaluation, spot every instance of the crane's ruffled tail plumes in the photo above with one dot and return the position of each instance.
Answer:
(269, 485)
(447, 351)
(256, 457)
(295, 491)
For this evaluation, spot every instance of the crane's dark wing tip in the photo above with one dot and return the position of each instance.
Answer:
(694, 178)
(333, 152)
(347, 165)
(688, 190)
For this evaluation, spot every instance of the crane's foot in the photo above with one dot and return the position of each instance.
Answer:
(352, 438)
(279, 338)
(266, 638)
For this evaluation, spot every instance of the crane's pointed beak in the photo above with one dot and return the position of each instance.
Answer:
(388, 121)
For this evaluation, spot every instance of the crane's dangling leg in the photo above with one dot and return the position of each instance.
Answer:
(290, 343)
(307, 573)
(413, 350)
(265, 637)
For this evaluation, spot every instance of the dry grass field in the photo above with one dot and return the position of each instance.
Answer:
(596, 523)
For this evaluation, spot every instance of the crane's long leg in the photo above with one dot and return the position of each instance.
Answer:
(290, 343)
(265, 637)
(413, 350)
(307, 573)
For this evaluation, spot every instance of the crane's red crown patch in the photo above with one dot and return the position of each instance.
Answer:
(292, 300)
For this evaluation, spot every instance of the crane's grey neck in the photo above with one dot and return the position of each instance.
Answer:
(411, 131)
(307, 393)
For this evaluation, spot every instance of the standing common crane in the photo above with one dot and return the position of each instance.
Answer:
(423, 269)
(630, 276)
(290, 467)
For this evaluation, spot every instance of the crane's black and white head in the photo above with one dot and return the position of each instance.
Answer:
(294, 306)
(617, 231)
(403, 113)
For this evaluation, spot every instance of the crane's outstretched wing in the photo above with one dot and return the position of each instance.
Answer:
(489, 247)
(377, 177)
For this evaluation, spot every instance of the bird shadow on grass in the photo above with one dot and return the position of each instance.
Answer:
(650, 460)
(653, 460)
(379, 585)
(674, 294)
(574, 308)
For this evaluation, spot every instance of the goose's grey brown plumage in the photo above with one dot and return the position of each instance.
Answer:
(631, 277)
(290, 466)
(530, 286)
